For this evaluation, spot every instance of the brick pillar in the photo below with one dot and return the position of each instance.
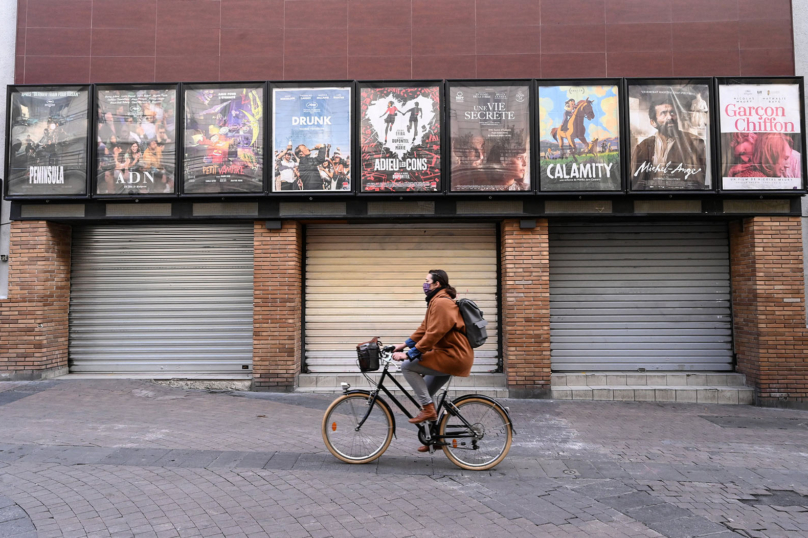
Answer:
(768, 305)
(33, 320)
(277, 306)
(525, 324)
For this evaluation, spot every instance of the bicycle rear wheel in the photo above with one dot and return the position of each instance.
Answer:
(341, 436)
(483, 446)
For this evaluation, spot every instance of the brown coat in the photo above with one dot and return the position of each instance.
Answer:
(441, 338)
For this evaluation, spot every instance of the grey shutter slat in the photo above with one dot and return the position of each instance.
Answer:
(162, 299)
(364, 281)
(625, 296)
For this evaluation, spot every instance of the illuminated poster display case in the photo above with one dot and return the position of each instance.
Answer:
(401, 135)
(135, 149)
(670, 135)
(761, 135)
(223, 139)
(491, 142)
(47, 142)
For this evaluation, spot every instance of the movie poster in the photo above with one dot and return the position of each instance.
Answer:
(400, 139)
(490, 138)
(311, 129)
(224, 140)
(48, 142)
(136, 141)
(579, 138)
(761, 136)
(670, 137)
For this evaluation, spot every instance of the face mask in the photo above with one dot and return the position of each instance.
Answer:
(426, 288)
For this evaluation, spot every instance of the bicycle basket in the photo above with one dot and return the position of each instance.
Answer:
(368, 355)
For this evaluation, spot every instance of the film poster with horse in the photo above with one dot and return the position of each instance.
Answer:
(48, 142)
(400, 138)
(490, 134)
(579, 145)
(670, 136)
(761, 136)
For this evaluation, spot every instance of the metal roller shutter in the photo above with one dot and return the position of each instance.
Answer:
(365, 281)
(640, 295)
(162, 299)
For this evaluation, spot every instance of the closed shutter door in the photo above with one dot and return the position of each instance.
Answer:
(366, 281)
(640, 295)
(162, 299)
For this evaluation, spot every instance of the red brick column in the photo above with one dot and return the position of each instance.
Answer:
(768, 303)
(525, 324)
(33, 320)
(277, 306)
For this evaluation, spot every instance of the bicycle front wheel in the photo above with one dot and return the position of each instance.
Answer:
(485, 443)
(346, 440)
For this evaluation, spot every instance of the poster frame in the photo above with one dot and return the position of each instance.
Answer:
(711, 146)
(621, 126)
(12, 88)
(181, 137)
(532, 126)
(729, 81)
(179, 116)
(419, 83)
(270, 147)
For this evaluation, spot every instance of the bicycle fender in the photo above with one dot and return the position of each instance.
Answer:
(383, 403)
(492, 400)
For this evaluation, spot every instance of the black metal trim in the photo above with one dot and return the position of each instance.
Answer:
(303, 251)
(500, 346)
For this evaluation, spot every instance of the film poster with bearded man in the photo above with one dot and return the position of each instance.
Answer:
(224, 140)
(311, 130)
(136, 141)
(670, 137)
(760, 136)
(490, 138)
(579, 138)
(400, 138)
(48, 142)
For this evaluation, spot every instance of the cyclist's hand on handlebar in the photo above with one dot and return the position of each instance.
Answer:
(398, 356)
(400, 347)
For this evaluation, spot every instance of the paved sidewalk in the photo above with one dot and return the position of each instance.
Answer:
(134, 458)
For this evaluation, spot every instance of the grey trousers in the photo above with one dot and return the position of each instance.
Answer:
(425, 382)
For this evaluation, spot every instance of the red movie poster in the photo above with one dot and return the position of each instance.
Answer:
(400, 137)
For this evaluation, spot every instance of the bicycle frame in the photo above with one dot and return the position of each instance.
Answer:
(449, 406)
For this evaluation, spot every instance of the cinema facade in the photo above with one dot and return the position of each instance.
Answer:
(644, 232)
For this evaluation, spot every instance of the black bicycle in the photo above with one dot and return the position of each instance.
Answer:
(474, 431)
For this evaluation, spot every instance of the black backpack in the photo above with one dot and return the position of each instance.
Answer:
(475, 324)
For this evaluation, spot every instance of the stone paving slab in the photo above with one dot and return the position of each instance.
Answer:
(131, 458)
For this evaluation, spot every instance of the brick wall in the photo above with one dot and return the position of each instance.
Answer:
(768, 296)
(33, 320)
(525, 324)
(80, 41)
(278, 303)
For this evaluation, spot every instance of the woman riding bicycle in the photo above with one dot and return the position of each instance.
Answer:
(438, 349)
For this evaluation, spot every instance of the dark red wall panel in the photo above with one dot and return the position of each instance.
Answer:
(69, 41)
